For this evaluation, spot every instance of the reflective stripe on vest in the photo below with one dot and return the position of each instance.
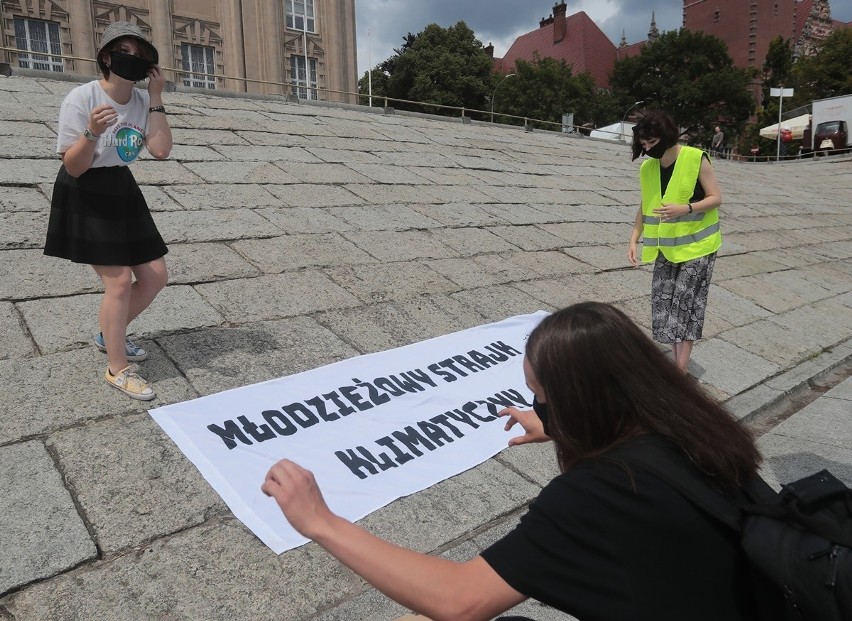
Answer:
(686, 237)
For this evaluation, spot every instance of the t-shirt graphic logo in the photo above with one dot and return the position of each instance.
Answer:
(128, 143)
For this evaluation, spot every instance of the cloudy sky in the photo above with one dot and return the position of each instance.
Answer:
(381, 24)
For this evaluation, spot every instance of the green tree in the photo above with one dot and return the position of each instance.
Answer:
(777, 66)
(826, 74)
(445, 66)
(545, 89)
(691, 76)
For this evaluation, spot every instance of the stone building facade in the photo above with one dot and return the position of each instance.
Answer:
(302, 47)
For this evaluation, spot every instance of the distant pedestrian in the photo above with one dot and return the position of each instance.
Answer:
(98, 214)
(603, 540)
(717, 145)
(678, 222)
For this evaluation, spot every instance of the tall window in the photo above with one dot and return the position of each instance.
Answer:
(300, 15)
(34, 35)
(197, 60)
(304, 85)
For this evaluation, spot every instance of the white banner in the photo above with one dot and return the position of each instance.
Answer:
(372, 428)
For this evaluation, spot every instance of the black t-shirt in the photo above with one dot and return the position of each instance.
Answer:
(666, 176)
(605, 542)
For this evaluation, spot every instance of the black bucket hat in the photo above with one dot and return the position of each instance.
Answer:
(117, 30)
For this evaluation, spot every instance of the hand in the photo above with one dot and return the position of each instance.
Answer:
(667, 212)
(298, 496)
(156, 81)
(529, 420)
(632, 254)
(102, 117)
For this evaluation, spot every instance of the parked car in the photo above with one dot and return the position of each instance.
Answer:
(831, 135)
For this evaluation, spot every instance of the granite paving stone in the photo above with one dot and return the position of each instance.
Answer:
(174, 578)
(474, 241)
(459, 214)
(158, 200)
(19, 128)
(66, 323)
(22, 229)
(213, 225)
(321, 173)
(842, 390)
(825, 421)
(774, 342)
(381, 282)
(292, 252)
(733, 308)
(206, 262)
(401, 322)
(275, 296)
(68, 388)
(27, 274)
(392, 246)
(14, 199)
(166, 172)
(547, 263)
(152, 489)
(768, 295)
(296, 220)
(28, 171)
(791, 457)
(729, 367)
(14, 335)
(487, 269)
(240, 172)
(206, 137)
(498, 302)
(334, 155)
(529, 238)
(589, 233)
(383, 217)
(266, 153)
(216, 359)
(41, 534)
(221, 196)
(315, 195)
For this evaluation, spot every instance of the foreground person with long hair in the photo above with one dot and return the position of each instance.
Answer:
(604, 540)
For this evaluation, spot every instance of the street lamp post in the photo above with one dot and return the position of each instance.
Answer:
(508, 75)
(624, 118)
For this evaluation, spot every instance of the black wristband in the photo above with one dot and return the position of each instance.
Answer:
(157, 109)
(690, 207)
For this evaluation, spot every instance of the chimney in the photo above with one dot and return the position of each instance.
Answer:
(560, 26)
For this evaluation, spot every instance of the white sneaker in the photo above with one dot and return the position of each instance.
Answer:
(130, 383)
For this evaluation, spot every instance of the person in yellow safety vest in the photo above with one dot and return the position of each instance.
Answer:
(678, 222)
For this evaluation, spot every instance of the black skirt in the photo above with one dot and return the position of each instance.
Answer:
(101, 218)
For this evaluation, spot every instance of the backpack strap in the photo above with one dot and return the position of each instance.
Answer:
(667, 464)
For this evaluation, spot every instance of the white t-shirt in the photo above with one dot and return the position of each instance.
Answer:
(121, 142)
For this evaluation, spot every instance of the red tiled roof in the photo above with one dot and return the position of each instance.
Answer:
(629, 51)
(585, 47)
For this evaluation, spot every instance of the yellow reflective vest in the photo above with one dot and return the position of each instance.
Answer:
(686, 237)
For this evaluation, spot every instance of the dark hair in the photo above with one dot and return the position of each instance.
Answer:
(145, 49)
(655, 124)
(605, 381)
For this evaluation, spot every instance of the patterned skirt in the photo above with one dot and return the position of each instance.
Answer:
(101, 218)
(679, 298)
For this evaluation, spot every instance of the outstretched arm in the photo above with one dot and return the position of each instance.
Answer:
(436, 587)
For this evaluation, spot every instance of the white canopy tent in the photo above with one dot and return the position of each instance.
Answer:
(797, 125)
(616, 131)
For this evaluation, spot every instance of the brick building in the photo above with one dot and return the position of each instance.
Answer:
(746, 26)
(306, 46)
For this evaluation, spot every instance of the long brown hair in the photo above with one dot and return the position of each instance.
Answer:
(605, 381)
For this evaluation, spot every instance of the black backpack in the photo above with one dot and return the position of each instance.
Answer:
(798, 541)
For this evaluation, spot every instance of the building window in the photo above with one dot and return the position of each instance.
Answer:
(34, 35)
(716, 15)
(300, 15)
(198, 60)
(302, 86)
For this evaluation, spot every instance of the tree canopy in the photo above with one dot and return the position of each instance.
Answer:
(546, 89)
(826, 74)
(691, 76)
(446, 66)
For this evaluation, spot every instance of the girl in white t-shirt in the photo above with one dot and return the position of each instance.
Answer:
(98, 213)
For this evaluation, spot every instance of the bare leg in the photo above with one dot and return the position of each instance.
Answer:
(150, 279)
(684, 351)
(113, 312)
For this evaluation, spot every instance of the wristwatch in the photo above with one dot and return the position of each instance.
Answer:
(90, 136)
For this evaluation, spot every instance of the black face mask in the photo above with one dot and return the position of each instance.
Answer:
(656, 151)
(540, 410)
(128, 66)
